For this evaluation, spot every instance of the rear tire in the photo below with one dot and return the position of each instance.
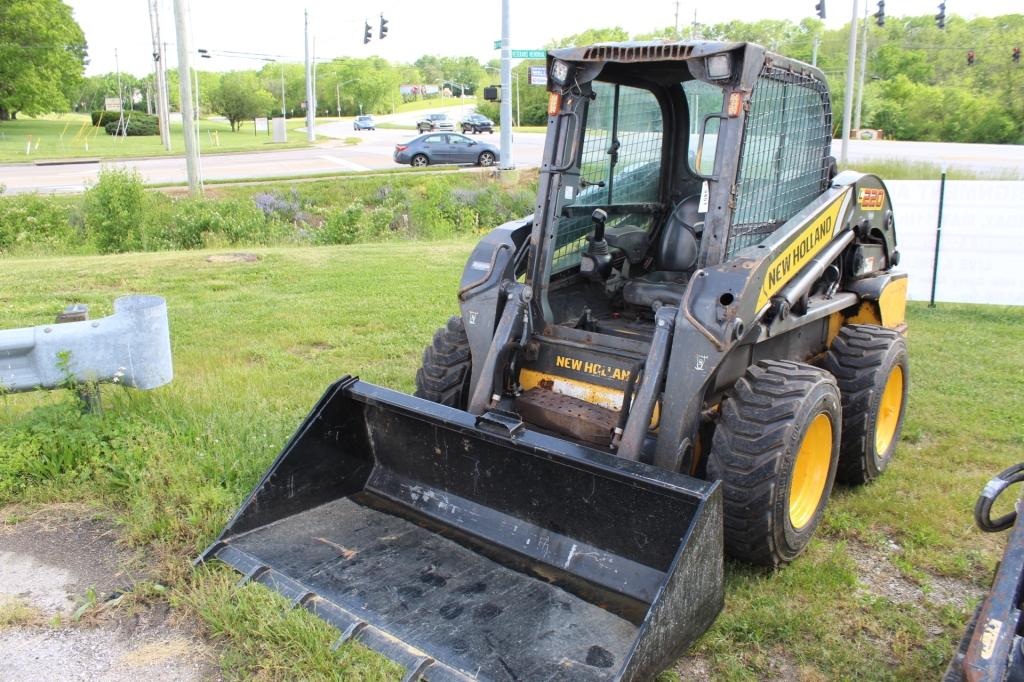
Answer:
(419, 161)
(775, 449)
(486, 159)
(872, 369)
(447, 367)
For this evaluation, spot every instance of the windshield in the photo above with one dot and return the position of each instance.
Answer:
(620, 164)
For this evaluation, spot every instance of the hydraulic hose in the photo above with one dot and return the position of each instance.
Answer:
(993, 489)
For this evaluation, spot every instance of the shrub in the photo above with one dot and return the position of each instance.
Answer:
(115, 210)
(196, 223)
(32, 222)
(102, 118)
(136, 126)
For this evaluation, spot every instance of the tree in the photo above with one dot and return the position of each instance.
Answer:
(239, 97)
(591, 36)
(42, 56)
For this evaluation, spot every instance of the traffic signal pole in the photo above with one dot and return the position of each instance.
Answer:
(851, 59)
(506, 161)
(863, 67)
(310, 104)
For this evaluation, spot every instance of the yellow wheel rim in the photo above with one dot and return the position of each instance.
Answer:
(810, 472)
(889, 411)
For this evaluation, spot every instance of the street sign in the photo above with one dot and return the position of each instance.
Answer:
(538, 75)
(529, 54)
(497, 44)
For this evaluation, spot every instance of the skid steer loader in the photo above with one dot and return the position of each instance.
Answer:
(696, 332)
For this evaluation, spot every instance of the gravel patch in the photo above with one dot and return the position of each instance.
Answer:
(49, 562)
(878, 575)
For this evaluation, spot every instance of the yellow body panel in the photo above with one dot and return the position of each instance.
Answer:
(818, 233)
(608, 398)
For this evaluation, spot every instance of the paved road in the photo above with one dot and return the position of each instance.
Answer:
(375, 150)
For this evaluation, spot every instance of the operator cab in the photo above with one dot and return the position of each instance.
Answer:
(631, 214)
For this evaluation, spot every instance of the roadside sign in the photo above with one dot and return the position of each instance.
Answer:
(529, 54)
(262, 125)
(538, 75)
(497, 44)
(112, 104)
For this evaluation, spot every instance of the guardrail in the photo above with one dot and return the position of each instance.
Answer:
(132, 347)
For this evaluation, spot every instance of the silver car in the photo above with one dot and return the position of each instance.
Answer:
(432, 122)
(364, 122)
(435, 148)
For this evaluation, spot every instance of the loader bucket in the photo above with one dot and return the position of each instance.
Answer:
(464, 553)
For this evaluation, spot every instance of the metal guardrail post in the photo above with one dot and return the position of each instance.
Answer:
(89, 394)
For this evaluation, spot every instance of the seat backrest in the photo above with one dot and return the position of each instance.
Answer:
(678, 247)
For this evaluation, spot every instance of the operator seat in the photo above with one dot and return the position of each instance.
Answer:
(674, 259)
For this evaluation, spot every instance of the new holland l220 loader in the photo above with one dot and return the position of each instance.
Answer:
(697, 331)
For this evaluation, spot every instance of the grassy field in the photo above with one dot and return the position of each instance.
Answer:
(72, 136)
(434, 103)
(883, 593)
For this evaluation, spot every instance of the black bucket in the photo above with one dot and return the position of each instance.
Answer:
(462, 553)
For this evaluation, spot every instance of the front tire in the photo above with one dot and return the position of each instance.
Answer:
(775, 449)
(872, 369)
(447, 367)
(486, 159)
(419, 161)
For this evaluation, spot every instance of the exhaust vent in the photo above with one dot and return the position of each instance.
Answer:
(638, 53)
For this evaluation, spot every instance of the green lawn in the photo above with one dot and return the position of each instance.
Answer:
(72, 136)
(881, 594)
(434, 103)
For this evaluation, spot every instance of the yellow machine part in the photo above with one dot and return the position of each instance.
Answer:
(608, 398)
(890, 310)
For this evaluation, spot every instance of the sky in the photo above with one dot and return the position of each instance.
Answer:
(418, 27)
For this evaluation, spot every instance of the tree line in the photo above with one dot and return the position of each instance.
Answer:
(958, 84)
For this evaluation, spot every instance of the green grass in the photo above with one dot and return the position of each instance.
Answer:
(922, 170)
(433, 103)
(256, 344)
(68, 136)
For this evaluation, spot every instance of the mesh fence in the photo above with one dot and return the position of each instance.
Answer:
(783, 163)
(622, 148)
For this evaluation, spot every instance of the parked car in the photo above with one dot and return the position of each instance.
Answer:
(364, 123)
(442, 148)
(477, 123)
(432, 122)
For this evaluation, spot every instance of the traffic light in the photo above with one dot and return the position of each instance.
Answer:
(880, 14)
(367, 32)
(1016, 55)
(970, 57)
(940, 18)
(383, 27)
(820, 8)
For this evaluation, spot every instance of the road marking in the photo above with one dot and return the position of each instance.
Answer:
(344, 163)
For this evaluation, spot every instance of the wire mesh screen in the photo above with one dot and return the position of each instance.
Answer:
(621, 148)
(783, 163)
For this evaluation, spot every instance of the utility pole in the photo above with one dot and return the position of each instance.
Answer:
(507, 162)
(310, 117)
(188, 123)
(851, 58)
(284, 108)
(677, 20)
(863, 67)
(814, 50)
(163, 109)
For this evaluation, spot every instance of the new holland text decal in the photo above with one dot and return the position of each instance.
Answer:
(812, 239)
